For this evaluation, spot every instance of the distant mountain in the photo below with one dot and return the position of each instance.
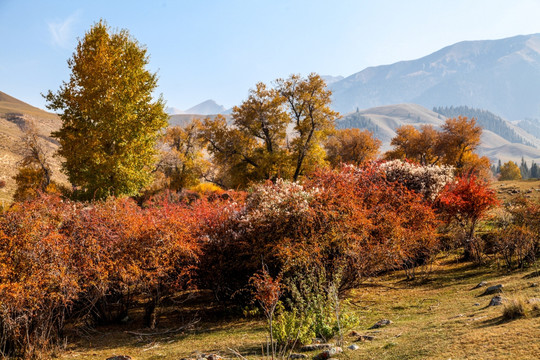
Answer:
(173, 111)
(384, 120)
(329, 79)
(208, 107)
(532, 126)
(15, 115)
(500, 75)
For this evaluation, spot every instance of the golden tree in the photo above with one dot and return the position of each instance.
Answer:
(110, 121)
(351, 146)
(276, 133)
(510, 171)
(454, 145)
(182, 162)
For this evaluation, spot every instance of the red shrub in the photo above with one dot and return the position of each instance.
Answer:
(465, 202)
(351, 220)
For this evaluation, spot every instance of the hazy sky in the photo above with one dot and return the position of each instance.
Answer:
(219, 49)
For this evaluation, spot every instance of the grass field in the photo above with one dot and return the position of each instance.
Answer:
(437, 316)
(511, 188)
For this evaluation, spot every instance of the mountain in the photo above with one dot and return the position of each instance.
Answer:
(15, 116)
(531, 126)
(173, 111)
(500, 75)
(384, 120)
(329, 79)
(208, 107)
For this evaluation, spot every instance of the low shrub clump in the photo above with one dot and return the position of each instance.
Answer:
(64, 259)
(513, 309)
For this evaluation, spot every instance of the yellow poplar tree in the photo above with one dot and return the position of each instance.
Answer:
(110, 121)
(510, 171)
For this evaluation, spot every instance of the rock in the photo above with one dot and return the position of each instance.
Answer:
(493, 289)
(476, 304)
(363, 338)
(354, 333)
(534, 285)
(312, 347)
(381, 323)
(480, 284)
(327, 354)
(120, 357)
(353, 347)
(496, 300)
(213, 357)
(298, 356)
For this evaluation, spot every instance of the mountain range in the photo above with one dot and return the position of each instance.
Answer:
(502, 76)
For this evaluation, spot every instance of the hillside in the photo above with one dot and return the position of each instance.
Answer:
(384, 120)
(500, 75)
(14, 117)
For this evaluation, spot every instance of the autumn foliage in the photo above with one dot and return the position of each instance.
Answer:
(62, 259)
(351, 219)
(465, 202)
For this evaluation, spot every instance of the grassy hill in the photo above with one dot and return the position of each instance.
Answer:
(15, 115)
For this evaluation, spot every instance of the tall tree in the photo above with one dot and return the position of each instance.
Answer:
(308, 103)
(110, 121)
(276, 133)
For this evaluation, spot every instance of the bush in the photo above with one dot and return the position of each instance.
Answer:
(428, 180)
(463, 204)
(513, 309)
(87, 260)
(352, 219)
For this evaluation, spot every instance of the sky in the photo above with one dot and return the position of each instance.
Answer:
(210, 49)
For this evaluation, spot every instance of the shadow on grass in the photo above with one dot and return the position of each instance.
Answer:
(500, 320)
(440, 278)
(532, 275)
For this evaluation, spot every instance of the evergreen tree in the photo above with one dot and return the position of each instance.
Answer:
(524, 169)
(535, 170)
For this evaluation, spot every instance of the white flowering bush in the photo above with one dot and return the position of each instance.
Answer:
(283, 198)
(428, 180)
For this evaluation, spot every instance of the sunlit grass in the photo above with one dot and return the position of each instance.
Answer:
(437, 316)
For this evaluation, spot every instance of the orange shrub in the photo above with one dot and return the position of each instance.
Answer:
(61, 258)
(351, 220)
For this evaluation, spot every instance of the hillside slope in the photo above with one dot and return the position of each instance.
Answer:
(384, 120)
(15, 115)
(500, 75)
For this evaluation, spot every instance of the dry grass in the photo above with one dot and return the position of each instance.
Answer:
(437, 316)
(509, 189)
(514, 309)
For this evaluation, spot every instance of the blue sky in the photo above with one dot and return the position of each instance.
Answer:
(205, 49)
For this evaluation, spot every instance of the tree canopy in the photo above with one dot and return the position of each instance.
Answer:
(110, 121)
(278, 132)
(455, 145)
